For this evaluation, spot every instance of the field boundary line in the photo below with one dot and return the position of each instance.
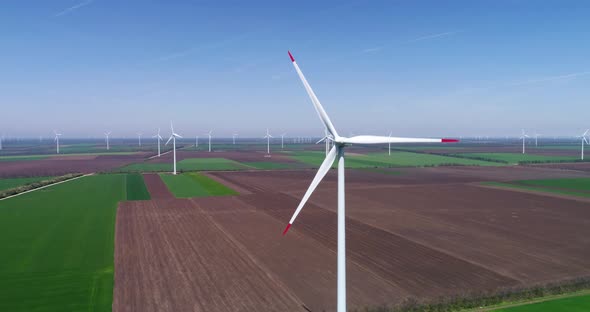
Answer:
(48, 185)
(522, 190)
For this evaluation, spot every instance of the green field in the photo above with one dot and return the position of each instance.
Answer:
(190, 164)
(570, 304)
(135, 187)
(267, 165)
(194, 185)
(515, 158)
(571, 186)
(57, 246)
(23, 157)
(16, 182)
(397, 159)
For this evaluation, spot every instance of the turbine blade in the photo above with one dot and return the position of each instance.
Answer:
(321, 140)
(177, 135)
(316, 103)
(374, 139)
(169, 140)
(586, 132)
(322, 171)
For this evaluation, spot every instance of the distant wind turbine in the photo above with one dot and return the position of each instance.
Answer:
(196, 142)
(106, 134)
(584, 140)
(523, 137)
(209, 134)
(283, 140)
(326, 139)
(337, 151)
(158, 138)
(234, 138)
(173, 137)
(267, 137)
(139, 138)
(57, 135)
(536, 139)
(390, 133)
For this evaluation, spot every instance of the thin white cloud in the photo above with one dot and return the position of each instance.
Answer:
(443, 34)
(211, 45)
(550, 78)
(73, 8)
(371, 50)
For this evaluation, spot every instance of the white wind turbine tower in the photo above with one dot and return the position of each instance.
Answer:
(196, 142)
(536, 139)
(209, 134)
(283, 140)
(337, 151)
(523, 137)
(234, 138)
(267, 137)
(158, 138)
(1, 139)
(57, 135)
(583, 137)
(139, 138)
(390, 133)
(106, 134)
(326, 139)
(173, 137)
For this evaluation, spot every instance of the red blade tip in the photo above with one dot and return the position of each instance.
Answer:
(291, 56)
(287, 228)
(449, 140)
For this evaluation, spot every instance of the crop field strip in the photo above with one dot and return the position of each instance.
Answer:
(16, 182)
(136, 189)
(569, 304)
(198, 267)
(56, 255)
(579, 187)
(194, 184)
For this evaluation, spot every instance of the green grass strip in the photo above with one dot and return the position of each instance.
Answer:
(15, 182)
(57, 246)
(136, 189)
(194, 184)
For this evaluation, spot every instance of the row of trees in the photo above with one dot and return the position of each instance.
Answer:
(34, 185)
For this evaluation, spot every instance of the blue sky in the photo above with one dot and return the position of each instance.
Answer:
(418, 68)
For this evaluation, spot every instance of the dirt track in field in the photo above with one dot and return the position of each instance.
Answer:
(423, 232)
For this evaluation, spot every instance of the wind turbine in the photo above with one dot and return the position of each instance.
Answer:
(283, 140)
(57, 135)
(1, 138)
(209, 134)
(196, 142)
(523, 137)
(173, 137)
(158, 138)
(267, 137)
(139, 138)
(337, 151)
(536, 139)
(234, 138)
(106, 134)
(583, 136)
(390, 133)
(326, 139)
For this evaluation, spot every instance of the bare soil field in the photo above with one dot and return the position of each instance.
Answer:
(425, 233)
(66, 164)
(567, 166)
(156, 187)
(239, 156)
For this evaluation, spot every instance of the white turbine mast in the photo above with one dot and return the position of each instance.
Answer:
(326, 139)
(523, 137)
(57, 135)
(107, 134)
(209, 134)
(158, 137)
(139, 138)
(337, 151)
(584, 140)
(196, 142)
(283, 140)
(267, 137)
(234, 138)
(173, 137)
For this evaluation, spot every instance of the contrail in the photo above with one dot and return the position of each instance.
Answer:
(73, 8)
(551, 78)
(444, 34)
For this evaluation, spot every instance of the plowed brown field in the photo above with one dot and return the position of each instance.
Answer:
(424, 233)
